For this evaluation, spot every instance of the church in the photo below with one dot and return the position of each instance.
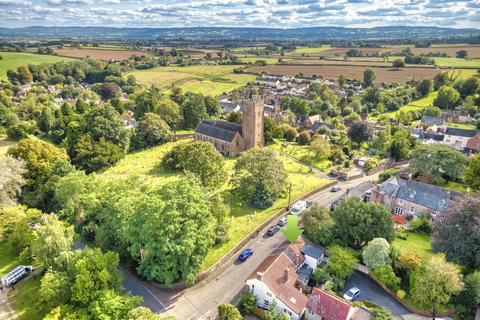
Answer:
(230, 138)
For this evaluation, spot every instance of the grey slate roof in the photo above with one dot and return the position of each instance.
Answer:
(433, 120)
(228, 106)
(461, 132)
(431, 136)
(221, 130)
(312, 251)
(427, 195)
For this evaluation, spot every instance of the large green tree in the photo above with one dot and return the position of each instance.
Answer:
(439, 163)
(259, 177)
(151, 131)
(357, 222)
(11, 175)
(472, 173)
(376, 253)
(193, 110)
(368, 77)
(447, 98)
(319, 225)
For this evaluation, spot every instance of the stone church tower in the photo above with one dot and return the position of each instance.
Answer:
(252, 122)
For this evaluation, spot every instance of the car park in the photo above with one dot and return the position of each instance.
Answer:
(282, 222)
(272, 230)
(245, 254)
(335, 189)
(351, 294)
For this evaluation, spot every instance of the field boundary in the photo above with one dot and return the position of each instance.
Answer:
(220, 265)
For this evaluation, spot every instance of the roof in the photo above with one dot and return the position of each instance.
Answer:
(431, 136)
(312, 251)
(426, 195)
(222, 130)
(461, 132)
(328, 306)
(432, 120)
(362, 314)
(317, 124)
(228, 106)
(273, 270)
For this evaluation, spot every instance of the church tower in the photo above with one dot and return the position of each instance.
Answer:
(252, 122)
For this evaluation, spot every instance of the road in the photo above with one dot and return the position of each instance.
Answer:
(201, 300)
(370, 291)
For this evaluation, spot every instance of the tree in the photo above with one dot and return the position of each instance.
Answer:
(472, 172)
(455, 233)
(320, 147)
(24, 75)
(377, 253)
(109, 90)
(382, 314)
(357, 222)
(53, 242)
(386, 275)
(273, 314)
(438, 162)
(402, 144)
(150, 100)
(95, 272)
(409, 261)
(319, 225)
(151, 131)
(398, 63)
(289, 132)
(425, 87)
(92, 156)
(143, 313)
(447, 98)
(341, 262)
(471, 293)
(55, 289)
(204, 161)
(183, 207)
(247, 303)
(112, 305)
(228, 312)
(12, 181)
(441, 79)
(436, 282)
(468, 87)
(360, 131)
(259, 175)
(432, 111)
(383, 141)
(169, 111)
(222, 216)
(462, 54)
(368, 77)
(271, 130)
(213, 107)
(194, 110)
(303, 138)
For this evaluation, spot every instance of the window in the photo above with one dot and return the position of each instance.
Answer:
(398, 211)
(412, 209)
(269, 294)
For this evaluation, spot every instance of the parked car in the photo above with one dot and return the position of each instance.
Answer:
(351, 294)
(245, 254)
(335, 204)
(335, 189)
(272, 230)
(16, 275)
(282, 222)
(298, 207)
(309, 203)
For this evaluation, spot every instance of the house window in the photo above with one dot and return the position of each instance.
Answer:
(269, 294)
(400, 201)
(412, 209)
(398, 211)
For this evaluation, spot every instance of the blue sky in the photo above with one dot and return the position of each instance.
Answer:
(240, 13)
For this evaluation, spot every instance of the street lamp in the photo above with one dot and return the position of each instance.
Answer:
(289, 195)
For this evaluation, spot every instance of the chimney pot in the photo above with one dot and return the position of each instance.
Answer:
(260, 276)
(285, 274)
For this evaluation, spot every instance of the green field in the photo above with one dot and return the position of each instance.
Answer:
(309, 50)
(208, 80)
(12, 60)
(457, 63)
(243, 219)
(415, 105)
(465, 126)
(301, 153)
(417, 242)
(268, 60)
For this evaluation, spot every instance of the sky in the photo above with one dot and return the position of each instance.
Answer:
(240, 13)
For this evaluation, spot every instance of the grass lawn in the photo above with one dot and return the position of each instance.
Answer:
(462, 74)
(24, 299)
(415, 105)
(268, 60)
(309, 50)
(12, 60)
(418, 242)
(301, 153)
(466, 126)
(9, 258)
(457, 63)
(243, 219)
(184, 131)
(456, 186)
(210, 80)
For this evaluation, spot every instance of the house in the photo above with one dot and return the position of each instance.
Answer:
(228, 106)
(309, 121)
(457, 117)
(473, 144)
(269, 82)
(231, 138)
(458, 138)
(326, 306)
(410, 197)
(274, 281)
(428, 121)
(318, 123)
(312, 256)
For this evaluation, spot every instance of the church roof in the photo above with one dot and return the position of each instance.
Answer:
(221, 130)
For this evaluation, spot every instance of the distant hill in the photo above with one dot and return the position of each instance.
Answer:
(246, 34)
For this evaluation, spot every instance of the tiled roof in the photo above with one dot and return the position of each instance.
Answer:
(328, 306)
(461, 132)
(221, 130)
(312, 251)
(432, 120)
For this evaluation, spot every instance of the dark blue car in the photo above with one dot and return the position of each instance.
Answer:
(245, 254)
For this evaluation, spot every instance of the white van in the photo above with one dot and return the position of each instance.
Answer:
(16, 275)
(298, 207)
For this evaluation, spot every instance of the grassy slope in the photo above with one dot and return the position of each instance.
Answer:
(12, 60)
(243, 219)
(415, 105)
(301, 153)
(418, 242)
(211, 80)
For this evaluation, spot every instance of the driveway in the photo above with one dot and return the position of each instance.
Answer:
(371, 291)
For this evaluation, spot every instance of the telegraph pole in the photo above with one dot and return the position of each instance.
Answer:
(289, 195)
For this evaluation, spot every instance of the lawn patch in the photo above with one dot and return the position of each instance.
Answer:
(24, 299)
(418, 242)
(301, 153)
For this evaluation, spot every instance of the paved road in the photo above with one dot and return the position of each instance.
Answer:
(370, 291)
(201, 300)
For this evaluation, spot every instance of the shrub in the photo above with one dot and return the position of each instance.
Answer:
(377, 253)
(228, 312)
(387, 276)
(422, 224)
(303, 138)
(401, 294)
(382, 314)
(247, 303)
(289, 133)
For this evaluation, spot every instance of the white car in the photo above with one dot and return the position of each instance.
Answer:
(351, 294)
(298, 207)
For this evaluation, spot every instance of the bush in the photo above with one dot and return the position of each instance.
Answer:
(382, 314)
(387, 276)
(422, 224)
(303, 138)
(228, 312)
(401, 294)
(377, 253)
(247, 303)
(290, 133)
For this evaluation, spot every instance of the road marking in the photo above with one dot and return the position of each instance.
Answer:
(156, 299)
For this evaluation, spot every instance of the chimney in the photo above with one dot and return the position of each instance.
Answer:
(260, 276)
(285, 275)
(297, 260)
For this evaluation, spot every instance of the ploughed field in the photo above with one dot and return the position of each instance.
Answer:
(387, 75)
(102, 54)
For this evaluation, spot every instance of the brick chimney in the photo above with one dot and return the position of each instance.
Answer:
(260, 276)
(285, 275)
